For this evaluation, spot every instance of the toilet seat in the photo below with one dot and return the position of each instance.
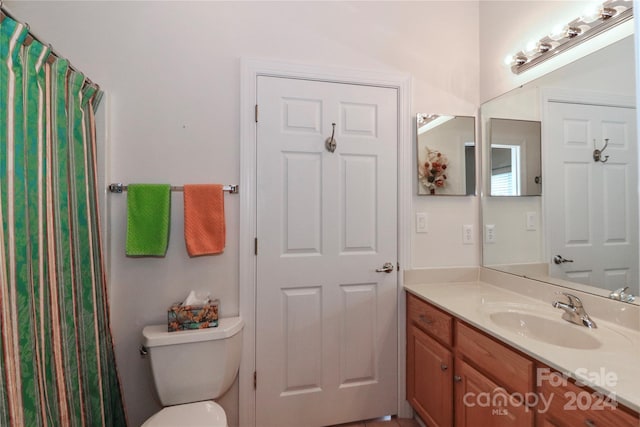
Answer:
(198, 414)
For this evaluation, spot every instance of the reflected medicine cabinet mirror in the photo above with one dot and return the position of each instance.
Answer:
(515, 158)
(446, 153)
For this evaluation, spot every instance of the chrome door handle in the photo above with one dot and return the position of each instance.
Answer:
(387, 267)
(558, 259)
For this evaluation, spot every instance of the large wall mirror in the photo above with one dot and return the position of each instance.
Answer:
(581, 230)
(446, 147)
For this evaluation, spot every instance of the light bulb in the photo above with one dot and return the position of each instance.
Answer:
(558, 32)
(508, 60)
(591, 14)
(532, 47)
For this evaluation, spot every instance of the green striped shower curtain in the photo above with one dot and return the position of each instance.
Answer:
(57, 366)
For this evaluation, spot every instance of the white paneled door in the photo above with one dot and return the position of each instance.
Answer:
(326, 332)
(592, 206)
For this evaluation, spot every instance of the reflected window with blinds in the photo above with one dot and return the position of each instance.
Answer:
(505, 170)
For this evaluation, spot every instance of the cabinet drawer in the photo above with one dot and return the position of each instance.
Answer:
(433, 321)
(507, 367)
(570, 405)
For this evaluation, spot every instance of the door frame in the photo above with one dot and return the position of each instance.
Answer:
(250, 69)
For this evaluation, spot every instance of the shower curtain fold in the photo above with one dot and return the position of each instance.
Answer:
(57, 364)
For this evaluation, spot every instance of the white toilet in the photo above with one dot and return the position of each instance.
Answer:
(190, 369)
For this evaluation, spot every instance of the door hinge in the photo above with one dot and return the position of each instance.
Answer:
(398, 266)
(255, 380)
(255, 246)
(256, 113)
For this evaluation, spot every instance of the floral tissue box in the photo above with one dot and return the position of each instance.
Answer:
(184, 317)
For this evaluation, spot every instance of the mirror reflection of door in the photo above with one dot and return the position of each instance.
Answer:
(515, 157)
(526, 250)
(592, 206)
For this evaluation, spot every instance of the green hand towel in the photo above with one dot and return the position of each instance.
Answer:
(148, 215)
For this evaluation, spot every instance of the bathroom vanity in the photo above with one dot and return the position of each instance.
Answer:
(447, 359)
(475, 357)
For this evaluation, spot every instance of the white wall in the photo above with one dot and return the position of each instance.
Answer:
(172, 70)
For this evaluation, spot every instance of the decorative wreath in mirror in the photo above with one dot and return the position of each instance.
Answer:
(432, 170)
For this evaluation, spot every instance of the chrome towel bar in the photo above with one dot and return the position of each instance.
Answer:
(119, 188)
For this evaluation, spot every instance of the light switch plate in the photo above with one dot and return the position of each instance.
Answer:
(532, 221)
(422, 225)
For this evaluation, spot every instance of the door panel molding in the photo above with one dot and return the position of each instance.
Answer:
(251, 68)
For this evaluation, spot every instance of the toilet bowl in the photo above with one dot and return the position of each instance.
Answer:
(191, 369)
(207, 413)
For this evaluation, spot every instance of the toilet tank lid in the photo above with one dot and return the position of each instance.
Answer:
(157, 335)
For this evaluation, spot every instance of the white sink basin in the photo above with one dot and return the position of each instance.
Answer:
(551, 331)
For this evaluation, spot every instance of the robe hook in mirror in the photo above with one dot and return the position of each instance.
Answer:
(597, 154)
(330, 143)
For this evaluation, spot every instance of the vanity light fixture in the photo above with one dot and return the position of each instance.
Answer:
(589, 25)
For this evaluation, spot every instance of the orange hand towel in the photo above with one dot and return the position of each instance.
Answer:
(204, 225)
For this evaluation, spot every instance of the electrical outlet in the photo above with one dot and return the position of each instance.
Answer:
(490, 233)
(422, 225)
(467, 234)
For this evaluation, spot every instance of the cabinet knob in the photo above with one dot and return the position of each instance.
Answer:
(589, 423)
(457, 378)
(443, 367)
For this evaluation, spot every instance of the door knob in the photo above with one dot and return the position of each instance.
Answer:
(558, 259)
(387, 267)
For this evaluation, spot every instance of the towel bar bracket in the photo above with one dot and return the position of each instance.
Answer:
(116, 187)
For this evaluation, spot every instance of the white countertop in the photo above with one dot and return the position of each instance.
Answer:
(614, 368)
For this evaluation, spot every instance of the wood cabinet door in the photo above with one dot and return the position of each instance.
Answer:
(429, 378)
(481, 402)
(571, 405)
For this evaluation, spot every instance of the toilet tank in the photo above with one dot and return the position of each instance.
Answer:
(190, 366)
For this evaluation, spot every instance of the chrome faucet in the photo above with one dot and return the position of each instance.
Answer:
(574, 311)
(622, 295)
